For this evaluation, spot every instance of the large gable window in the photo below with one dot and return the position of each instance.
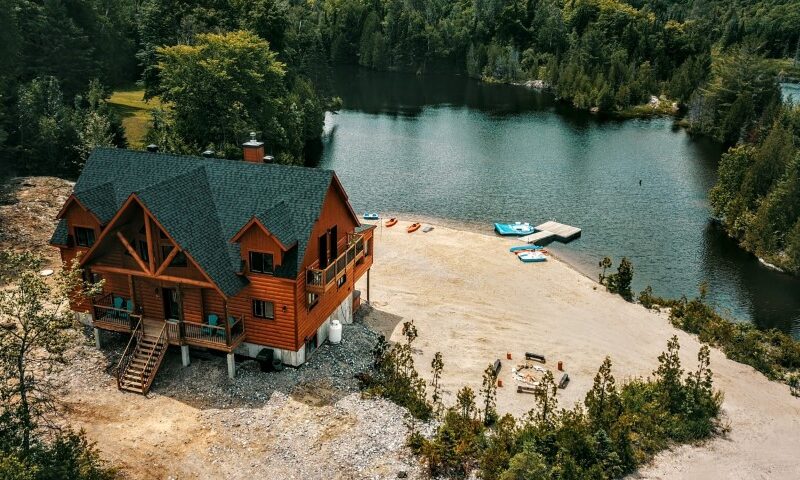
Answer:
(263, 309)
(261, 262)
(178, 261)
(84, 237)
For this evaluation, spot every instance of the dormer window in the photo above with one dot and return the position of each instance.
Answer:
(84, 237)
(261, 262)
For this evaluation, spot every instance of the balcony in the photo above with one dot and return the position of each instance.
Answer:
(319, 280)
(115, 313)
(205, 335)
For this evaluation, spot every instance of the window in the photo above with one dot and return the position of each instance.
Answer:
(263, 309)
(261, 262)
(91, 277)
(341, 281)
(178, 261)
(143, 254)
(311, 300)
(84, 237)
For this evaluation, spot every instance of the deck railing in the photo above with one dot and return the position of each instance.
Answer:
(154, 359)
(116, 318)
(213, 335)
(320, 280)
(130, 349)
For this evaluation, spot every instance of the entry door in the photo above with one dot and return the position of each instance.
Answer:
(323, 251)
(333, 235)
(172, 307)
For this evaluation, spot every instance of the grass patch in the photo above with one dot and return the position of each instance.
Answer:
(134, 112)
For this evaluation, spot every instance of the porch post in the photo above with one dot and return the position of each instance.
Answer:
(227, 323)
(231, 366)
(132, 291)
(97, 338)
(368, 284)
(185, 360)
(181, 326)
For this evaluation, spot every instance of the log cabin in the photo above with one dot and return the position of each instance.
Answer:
(244, 257)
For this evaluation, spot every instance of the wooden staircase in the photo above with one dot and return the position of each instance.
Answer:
(142, 358)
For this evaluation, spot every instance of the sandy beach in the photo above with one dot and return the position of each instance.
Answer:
(475, 302)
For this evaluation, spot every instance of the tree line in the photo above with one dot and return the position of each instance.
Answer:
(224, 68)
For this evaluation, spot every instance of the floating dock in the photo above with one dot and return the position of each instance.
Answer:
(549, 231)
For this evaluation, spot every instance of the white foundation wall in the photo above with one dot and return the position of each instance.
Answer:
(84, 318)
(343, 313)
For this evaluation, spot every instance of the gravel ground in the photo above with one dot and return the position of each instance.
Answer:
(205, 383)
(28, 208)
(306, 422)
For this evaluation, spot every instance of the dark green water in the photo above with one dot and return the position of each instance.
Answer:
(469, 154)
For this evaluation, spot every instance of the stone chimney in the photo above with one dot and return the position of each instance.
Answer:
(253, 149)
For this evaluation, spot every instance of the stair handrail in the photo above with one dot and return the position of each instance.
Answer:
(130, 349)
(147, 379)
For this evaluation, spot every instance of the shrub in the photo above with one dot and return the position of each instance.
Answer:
(620, 282)
(610, 434)
(395, 376)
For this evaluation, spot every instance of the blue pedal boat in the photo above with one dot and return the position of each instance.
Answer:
(516, 228)
(371, 216)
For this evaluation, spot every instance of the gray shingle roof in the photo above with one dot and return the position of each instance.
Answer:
(202, 203)
(60, 234)
(279, 222)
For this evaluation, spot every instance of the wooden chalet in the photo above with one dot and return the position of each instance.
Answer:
(235, 256)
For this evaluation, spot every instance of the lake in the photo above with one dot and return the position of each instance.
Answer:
(790, 92)
(467, 154)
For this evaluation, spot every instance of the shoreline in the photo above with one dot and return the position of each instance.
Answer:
(480, 229)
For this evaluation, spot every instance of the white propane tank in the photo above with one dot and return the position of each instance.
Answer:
(335, 332)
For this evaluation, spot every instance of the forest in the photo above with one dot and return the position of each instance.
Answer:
(224, 68)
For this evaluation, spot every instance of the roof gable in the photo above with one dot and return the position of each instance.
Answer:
(203, 203)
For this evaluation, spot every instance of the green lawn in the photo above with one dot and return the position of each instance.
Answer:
(135, 113)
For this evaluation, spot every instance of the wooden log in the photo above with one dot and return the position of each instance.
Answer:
(562, 384)
(521, 389)
(534, 356)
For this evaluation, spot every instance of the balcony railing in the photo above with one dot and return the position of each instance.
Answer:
(320, 280)
(177, 333)
(213, 336)
(113, 312)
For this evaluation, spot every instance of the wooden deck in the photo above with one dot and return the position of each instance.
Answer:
(181, 333)
(549, 231)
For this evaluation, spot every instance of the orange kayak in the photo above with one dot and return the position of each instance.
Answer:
(413, 227)
(391, 222)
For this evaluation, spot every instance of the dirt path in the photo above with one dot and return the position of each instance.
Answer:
(474, 301)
